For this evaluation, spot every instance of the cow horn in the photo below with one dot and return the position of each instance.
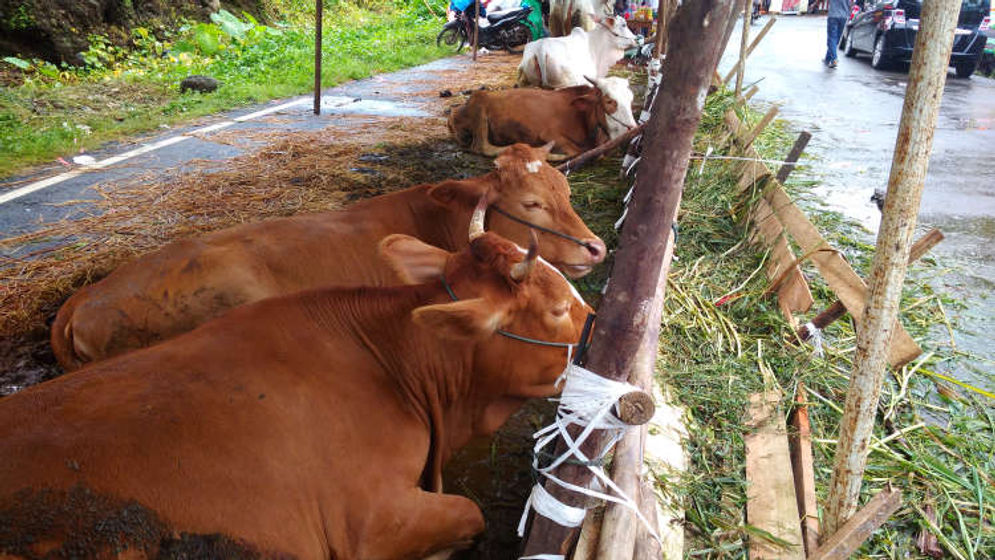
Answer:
(520, 271)
(596, 82)
(477, 220)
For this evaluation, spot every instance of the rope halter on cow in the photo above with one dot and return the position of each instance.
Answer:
(586, 244)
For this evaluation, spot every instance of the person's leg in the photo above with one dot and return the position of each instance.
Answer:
(834, 29)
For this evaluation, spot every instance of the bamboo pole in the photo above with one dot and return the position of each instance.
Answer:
(741, 66)
(476, 27)
(695, 46)
(753, 45)
(908, 172)
(317, 56)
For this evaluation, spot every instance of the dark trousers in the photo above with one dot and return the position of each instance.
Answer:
(834, 28)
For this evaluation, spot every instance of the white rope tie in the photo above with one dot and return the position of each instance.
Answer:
(815, 338)
(587, 401)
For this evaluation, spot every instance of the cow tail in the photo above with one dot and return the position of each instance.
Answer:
(62, 336)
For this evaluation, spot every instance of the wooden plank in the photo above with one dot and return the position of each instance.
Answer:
(667, 460)
(802, 465)
(838, 273)
(854, 532)
(837, 309)
(793, 294)
(768, 117)
(770, 504)
(647, 547)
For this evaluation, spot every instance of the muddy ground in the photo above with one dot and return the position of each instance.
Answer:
(284, 168)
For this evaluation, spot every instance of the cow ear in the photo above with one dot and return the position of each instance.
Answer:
(469, 319)
(457, 193)
(414, 261)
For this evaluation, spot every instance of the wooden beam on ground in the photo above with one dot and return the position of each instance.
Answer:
(693, 48)
(793, 156)
(802, 465)
(844, 542)
(837, 309)
(585, 157)
(770, 496)
(667, 460)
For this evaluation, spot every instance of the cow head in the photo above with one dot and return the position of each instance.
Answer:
(621, 37)
(617, 102)
(497, 289)
(526, 187)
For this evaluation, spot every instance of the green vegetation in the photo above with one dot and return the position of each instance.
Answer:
(723, 338)
(59, 110)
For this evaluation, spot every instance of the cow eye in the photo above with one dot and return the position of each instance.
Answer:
(532, 205)
(561, 309)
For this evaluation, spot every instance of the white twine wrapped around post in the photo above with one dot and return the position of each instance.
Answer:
(587, 401)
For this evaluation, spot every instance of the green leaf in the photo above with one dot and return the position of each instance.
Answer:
(20, 63)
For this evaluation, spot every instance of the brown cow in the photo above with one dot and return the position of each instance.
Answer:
(574, 119)
(178, 287)
(313, 425)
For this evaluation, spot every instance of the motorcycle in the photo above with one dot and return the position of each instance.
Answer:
(500, 30)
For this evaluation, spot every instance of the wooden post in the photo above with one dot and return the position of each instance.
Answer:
(476, 27)
(795, 153)
(908, 172)
(619, 528)
(665, 11)
(317, 56)
(694, 47)
(741, 66)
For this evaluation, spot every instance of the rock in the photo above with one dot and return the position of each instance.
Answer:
(201, 84)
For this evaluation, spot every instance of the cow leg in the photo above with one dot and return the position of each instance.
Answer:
(421, 524)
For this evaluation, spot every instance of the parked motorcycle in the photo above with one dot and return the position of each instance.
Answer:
(500, 30)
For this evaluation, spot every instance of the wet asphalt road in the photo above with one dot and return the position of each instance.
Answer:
(853, 112)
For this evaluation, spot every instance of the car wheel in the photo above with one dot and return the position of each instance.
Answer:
(848, 49)
(878, 59)
(965, 69)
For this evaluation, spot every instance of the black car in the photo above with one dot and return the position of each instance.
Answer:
(887, 30)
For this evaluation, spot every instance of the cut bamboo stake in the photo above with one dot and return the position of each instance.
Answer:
(741, 66)
(837, 309)
(317, 56)
(748, 95)
(647, 547)
(854, 532)
(802, 465)
(694, 47)
(770, 498)
(753, 45)
(764, 123)
(908, 172)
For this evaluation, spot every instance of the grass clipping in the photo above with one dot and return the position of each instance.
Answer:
(720, 332)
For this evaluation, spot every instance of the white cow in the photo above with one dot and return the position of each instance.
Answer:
(620, 121)
(556, 62)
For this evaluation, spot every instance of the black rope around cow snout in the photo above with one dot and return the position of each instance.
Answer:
(586, 244)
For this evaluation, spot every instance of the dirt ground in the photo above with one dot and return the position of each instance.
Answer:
(280, 175)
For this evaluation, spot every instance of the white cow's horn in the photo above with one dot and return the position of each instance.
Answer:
(520, 271)
(477, 220)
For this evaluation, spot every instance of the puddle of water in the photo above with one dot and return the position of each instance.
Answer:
(340, 105)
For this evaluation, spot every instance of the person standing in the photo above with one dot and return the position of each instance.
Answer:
(838, 11)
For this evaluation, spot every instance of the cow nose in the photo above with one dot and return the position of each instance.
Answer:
(597, 249)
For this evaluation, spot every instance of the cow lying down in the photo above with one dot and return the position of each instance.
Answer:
(313, 425)
(573, 119)
(174, 289)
